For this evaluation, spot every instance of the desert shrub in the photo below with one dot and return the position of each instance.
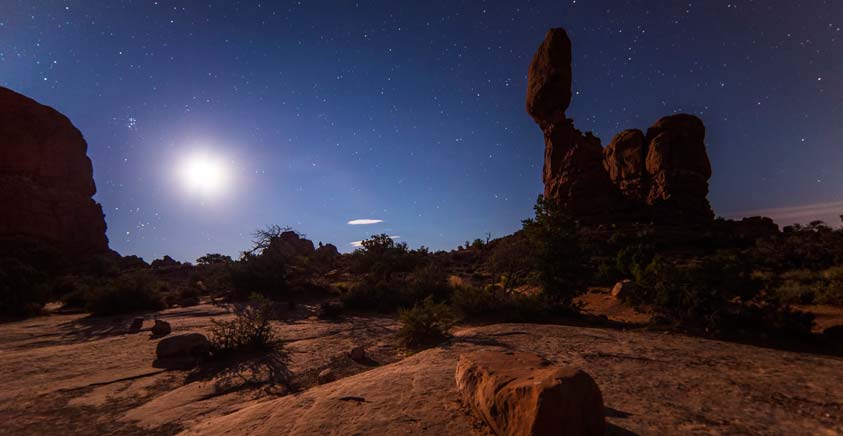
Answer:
(130, 292)
(23, 289)
(606, 273)
(381, 258)
(490, 303)
(426, 323)
(632, 259)
(803, 286)
(511, 262)
(265, 273)
(815, 246)
(329, 310)
(374, 295)
(249, 330)
(559, 258)
(795, 292)
(719, 294)
(214, 259)
(428, 281)
(386, 294)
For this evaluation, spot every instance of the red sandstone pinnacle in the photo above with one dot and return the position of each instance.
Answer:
(46, 178)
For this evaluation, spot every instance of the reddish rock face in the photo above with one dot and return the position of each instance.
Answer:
(46, 177)
(660, 176)
(624, 159)
(519, 393)
(678, 166)
(573, 171)
(549, 79)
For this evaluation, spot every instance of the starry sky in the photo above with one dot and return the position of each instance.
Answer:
(411, 114)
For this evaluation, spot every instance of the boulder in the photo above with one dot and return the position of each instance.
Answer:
(326, 376)
(136, 325)
(182, 351)
(161, 328)
(624, 289)
(357, 354)
(46, 178)
(291, 243)
(517, 393)
(549, 79)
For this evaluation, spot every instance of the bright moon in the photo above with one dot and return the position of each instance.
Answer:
(204, 174)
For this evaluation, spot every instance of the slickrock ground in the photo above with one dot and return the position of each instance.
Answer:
(71, 375)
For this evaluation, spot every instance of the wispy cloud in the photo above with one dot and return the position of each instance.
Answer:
(829, 212)
(364, 221)
(360, 243)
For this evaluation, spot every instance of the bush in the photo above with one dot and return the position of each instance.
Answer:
(23, 289)
(719, 294)
(804, 286)
(426, 324)
(381, 258)
(491, 303)
(329, 310)
(249, 330)
(631, 260)
(378, 296)
(388, 294)
(131, 292)
(557, 252)
(265, 273)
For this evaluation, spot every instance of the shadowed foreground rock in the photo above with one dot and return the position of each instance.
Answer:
(521, 394)
(46, 178)
(181, 351)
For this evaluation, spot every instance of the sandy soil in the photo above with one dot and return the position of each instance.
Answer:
(72, 375)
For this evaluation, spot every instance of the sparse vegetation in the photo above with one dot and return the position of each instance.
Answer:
(250, 330)
(426, 324)
(134, 291)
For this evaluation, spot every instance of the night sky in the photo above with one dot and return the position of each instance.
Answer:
(313, 114)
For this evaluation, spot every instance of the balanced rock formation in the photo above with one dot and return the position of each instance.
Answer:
(573, 162)
(660, 176)
(46, 178)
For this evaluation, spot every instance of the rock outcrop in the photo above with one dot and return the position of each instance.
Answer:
(521, 394)
(660, 176)
(181, 351)
(46, 178)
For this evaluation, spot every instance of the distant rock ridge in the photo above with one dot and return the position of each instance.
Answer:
(46, 178)
(660, 176)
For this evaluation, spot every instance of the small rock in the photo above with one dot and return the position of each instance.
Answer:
(624, 289)
(161, 328)
(357, 354)
(518, 393)
(326, 376)
(136, 325)
(182, 351)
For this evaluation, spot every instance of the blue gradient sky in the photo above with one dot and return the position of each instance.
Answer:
(413, 112)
